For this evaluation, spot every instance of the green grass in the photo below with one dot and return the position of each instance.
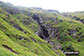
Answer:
(32, 45)
(10, 36)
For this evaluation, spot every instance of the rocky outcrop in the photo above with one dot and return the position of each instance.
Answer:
(37, 18)
(43, 32)
(47, 32)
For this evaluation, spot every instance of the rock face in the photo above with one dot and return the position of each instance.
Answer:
(43, 32)
(37, 18)
(46, 32)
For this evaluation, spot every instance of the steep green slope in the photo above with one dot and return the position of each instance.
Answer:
(11, 38)
(18, 40)
(58, 32)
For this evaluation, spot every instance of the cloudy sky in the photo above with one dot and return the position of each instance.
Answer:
(60, 5)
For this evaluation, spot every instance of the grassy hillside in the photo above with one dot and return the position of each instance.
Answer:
(18, 39)
(39, 32)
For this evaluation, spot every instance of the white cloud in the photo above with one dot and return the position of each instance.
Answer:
(61, 5)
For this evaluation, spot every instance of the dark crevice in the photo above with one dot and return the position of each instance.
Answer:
(9, 48)
(43, 33)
